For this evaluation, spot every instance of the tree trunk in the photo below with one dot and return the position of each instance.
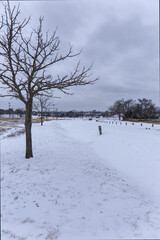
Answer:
(28, 126)
(41, 116)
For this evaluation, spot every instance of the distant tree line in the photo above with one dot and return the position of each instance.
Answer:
(131, 109)
(56, 113)
(10, 111)
(124, 109)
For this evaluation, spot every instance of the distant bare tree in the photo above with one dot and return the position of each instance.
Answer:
(145, 109)
(117, 108)
(123, 108)
(25, 60)
(128, 109)
(42, 104)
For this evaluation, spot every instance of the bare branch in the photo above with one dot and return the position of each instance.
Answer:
(26, 60)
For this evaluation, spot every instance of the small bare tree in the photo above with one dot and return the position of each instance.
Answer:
(25, 60)
(42, 104)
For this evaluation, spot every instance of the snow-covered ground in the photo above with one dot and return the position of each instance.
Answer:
(80, 185)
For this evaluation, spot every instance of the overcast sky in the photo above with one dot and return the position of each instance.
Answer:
(121, 38)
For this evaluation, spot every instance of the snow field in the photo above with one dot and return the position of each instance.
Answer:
(132, 150)
(80, 185)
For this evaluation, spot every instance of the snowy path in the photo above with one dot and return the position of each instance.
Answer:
(134, 151)
(66, 192)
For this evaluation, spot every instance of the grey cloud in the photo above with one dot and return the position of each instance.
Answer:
(114, 38)
(66, 15)
(120, 36)
(126, 51)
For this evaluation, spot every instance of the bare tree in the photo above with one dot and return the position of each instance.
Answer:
(128, 109)
(25, 60)
(145, 109)
(42, 104)
(123, 108)
(117, 108)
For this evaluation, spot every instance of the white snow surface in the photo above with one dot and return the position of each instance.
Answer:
(80, 185)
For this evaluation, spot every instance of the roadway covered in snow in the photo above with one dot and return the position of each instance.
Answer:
(81, 185)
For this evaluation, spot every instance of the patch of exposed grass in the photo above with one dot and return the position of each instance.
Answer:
(38, 120)
(49, 119)
(10, 119)
(12, 235)
(3, 124)
(2, 130)
(17, 133)
(154, 121)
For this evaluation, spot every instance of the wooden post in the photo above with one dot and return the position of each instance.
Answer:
(100, 130)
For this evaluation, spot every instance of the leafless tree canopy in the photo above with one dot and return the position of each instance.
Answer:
(41, 105)
(24, 71)
(26, 59)
(43, 102)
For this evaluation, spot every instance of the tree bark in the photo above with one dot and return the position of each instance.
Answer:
(28, 126)
(41, 116)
